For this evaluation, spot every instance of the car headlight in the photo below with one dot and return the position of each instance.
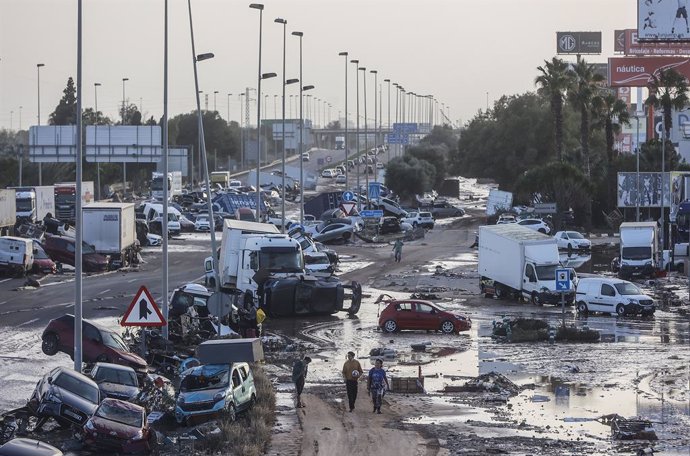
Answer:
(89, 426)
(632, 301)
(219, 396)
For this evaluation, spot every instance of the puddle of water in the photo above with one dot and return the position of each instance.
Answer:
(348, 266)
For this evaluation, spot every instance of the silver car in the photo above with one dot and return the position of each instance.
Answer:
(333, 231)
(66, 395)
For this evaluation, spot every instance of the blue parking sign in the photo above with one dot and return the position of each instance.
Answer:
(562, 279)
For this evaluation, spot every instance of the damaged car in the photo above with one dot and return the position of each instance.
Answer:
(420, 315)
(115, 381)
(65, 395)
(121, 427)
(28, 447)
(215, 390)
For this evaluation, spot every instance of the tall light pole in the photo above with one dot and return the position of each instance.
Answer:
(397, 97)
(78, 211)
(96, 85)
(347, 166)
(38, 115)
(20, 118)
(376, 76)
(204, 160)
(366, 136)
(300, 35)
(388, 128)
(637, 156)
(260, 7)
(229, 95)
(164, 230)
(124, 163)
(242, 127)
(359, 190)
(282, 190)
(215, 106)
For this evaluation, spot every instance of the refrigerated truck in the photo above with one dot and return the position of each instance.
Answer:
(518, 262)
(111, 229)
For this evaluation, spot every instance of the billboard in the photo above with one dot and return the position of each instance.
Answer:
(53, 143)
(619, 40)
(578, 42)
(663, 20)
(649, 189)
(633, 46)
(637, 71)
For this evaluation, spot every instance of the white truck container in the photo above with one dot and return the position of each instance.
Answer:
(220, 177)
(16, 254)
(8, 211)
(111, 229)
(153, 212)
(640, 253)
(498, 201)
(174, 185)
(519, 262)
(34, 203)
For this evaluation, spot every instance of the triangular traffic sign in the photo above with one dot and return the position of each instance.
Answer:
(347, 207)
(143, 311)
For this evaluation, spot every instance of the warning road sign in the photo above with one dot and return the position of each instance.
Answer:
(347, 207)
(143, 311)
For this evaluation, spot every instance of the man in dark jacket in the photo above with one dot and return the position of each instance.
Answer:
(299, 376)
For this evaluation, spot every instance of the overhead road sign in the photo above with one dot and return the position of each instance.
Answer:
(405, 128)
(143, 311)
(394, 138)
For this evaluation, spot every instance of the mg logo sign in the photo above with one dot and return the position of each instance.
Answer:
(567, 43)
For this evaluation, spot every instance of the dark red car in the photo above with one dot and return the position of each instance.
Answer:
(420, 315)
(120, 427)
(42, 262)
(98, 344)
(62, 249)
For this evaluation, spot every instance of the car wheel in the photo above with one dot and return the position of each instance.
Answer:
(582, 307)
(500, 292)
(347, 235)
(390, 326)
(50, 344)
(230, 413)
(570, 247)
(620, 310)
(535, 299)
(542, 230)
(447, 327)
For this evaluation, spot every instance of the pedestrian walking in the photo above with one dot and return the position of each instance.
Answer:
(397, 249)
(377, 384)
(352, 371)
(299, 376)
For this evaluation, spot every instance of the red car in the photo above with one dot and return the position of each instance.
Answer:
(417, 314)
(120, 427)
(98, 344)
(62, 249)
(42, 262)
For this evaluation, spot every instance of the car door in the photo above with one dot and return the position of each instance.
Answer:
(405, 315)
(427, 317)
(529, 281)
(607, 299)
(92, 343)
(563, 240)
(238, 389)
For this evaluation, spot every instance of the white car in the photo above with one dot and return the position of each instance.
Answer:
(154, 240)
(202, 223)
(235, 184)
(341, 179)
(572, 240)
(423, 219)
(536, 225)
(318, 264)
(379, 165)
(504, 219)
(614, 296)
(328, 173)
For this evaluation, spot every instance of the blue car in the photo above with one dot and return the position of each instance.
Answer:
(214, 390)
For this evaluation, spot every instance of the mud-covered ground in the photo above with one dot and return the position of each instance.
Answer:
(640, 368)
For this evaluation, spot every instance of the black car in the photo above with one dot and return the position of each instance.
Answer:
(389, 225)
(113, 380)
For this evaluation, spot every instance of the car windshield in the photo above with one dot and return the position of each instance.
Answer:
(121, 415)
(40, 253)
(119, 376)
(290, 261)
(202, 218)
(414, 214)
(627, 288)
(87, 248)
(317, 260)
(575, 235)
(546, 272)
(205, 380)
(24, 205)
(114, 341)
(636, 253)
(77, 386)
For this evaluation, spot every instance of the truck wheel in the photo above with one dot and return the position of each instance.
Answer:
(620, 310)
(49, 346)
(582, 308)
(447, 327)
(500, 292)
(390, 326)
(535, 299)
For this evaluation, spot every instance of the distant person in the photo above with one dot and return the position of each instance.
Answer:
(352, 371)
(397, 249)
(681, 12)
(299, 376)
(377, 384)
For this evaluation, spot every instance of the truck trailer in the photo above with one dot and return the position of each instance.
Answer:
(34, 203)
(111, 229)
(8, 211)
(517, 262)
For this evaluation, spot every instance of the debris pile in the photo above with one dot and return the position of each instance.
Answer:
(628, 429)
(493, 382)
(521, 330)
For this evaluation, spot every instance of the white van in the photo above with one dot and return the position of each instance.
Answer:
(614, 296)
(16, 254)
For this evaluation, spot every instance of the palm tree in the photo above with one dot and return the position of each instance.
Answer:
(612, 113)
(667, 91)
(553, 83)
(582, 92)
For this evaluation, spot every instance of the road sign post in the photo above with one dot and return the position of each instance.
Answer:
(563, 285)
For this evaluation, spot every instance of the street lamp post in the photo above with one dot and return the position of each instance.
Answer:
(79, 233)
(359, 190)
(215, 106)
(285, 82)
(347, 166)
(376, 76)
(300, 35)
(96, 85)
(195, 59)
(124, 163)
(366, 136)
(389, 115)
(38, 116)
(164, 162)
(259, 7)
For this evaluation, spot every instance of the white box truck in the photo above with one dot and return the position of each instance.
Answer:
(174, 185)
(16, 255)
(518, 262)
(8, 211)
(111, 229)
(640, 253)
(34, 203)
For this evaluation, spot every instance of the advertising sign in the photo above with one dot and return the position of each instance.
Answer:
(659, 20)
(633, 46)
(619, 40)
(578, 42)
(638, 71)
(623, 143)
(649, 189)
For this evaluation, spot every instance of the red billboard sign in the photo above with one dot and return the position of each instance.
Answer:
(638, 71)
(632, 46)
